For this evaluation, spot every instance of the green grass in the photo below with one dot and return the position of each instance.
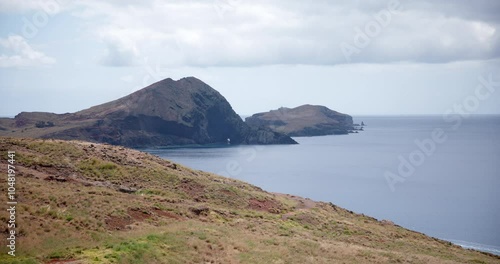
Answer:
(153, 248)
(99, 169)
(58, 148)
(18, 260)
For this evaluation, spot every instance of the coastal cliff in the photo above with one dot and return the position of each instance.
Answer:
(305, 120)
(168, 112)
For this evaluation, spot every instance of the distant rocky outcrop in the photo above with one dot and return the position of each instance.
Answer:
(168, 112)
(305, 120)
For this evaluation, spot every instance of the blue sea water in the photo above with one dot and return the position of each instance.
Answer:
(447, 186)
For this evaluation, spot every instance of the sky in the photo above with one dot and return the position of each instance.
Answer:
(360, 57)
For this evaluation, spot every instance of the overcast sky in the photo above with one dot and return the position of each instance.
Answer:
(355, 56)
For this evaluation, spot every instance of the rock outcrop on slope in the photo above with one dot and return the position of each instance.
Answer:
(305, 120)
(168, 112)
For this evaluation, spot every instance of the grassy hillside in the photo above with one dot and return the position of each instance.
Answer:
(90, 203)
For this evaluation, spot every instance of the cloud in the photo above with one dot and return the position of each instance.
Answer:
(21, 54)
(117, 55)
(127, 78)
(249, 33)
(480, 10)
(21, 6)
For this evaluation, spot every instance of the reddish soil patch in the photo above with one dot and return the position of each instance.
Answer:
(137, 215)
(68, 261)
(119, 223)
(194, 189)
(264, 205)
(166, 214)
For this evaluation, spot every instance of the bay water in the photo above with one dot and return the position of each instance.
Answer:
(435, 176)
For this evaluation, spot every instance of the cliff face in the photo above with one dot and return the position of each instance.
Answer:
(305, 120)
(168, 112)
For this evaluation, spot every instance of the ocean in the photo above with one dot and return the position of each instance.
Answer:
(426, 173)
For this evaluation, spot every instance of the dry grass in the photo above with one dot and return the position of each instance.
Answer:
(70, 208)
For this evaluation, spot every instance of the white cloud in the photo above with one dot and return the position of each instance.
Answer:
(21, 54)
(261, 32)
(127, 78)
(117, 54)
(19, 6)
